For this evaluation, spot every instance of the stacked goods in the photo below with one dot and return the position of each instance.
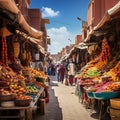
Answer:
(93, 68)
(6, 73)
(114, 86)
(115, 72)
(32, 89)
(92, 72)
(86, 82)
(89, 72)
(15, 84)
(17, 89)
(11, 87)
(100, 65)
(23, 100)
(35, 72)
(20, 77)
(105, 50)
(96, 87)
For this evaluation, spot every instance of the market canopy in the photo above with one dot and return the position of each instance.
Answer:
(33, 40)
(42, 50)
(10, 5)
(24, 35)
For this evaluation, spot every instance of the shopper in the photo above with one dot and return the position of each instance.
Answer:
(71, 71)
(62, 72)
(58, 72)
(49, 71)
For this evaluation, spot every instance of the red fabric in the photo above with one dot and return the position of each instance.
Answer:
(4, 51)
(62, 73)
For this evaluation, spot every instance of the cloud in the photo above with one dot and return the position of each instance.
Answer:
(49, 12)
(59, 39)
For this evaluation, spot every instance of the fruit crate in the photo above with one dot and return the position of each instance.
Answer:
(23, 102)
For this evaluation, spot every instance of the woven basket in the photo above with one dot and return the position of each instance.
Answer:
(115, 103)
(22, 103)
(115, 114)
(7, 97)
(16, 46)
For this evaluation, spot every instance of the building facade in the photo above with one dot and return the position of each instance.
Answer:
(96, 10)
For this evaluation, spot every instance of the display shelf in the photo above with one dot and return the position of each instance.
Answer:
(25, 113)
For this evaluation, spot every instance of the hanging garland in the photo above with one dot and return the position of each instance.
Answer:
(4, 51)
(105, 50)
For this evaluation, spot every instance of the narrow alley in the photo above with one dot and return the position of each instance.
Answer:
(64, 104)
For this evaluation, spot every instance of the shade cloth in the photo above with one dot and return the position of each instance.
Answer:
(11, 6)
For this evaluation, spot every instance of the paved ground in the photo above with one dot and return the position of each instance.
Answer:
(64, 104)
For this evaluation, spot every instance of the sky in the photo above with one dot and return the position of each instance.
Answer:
(64, 25)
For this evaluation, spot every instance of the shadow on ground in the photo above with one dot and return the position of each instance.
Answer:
(52, 110)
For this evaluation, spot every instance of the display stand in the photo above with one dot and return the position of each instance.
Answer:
(25, 113)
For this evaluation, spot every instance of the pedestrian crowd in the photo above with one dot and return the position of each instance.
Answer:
(64, 72)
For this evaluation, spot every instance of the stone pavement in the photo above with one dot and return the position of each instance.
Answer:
(64, 104)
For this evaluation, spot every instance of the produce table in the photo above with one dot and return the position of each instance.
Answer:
(25, 113)
(33, 103)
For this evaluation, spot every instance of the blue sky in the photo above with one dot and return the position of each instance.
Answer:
(64, 25)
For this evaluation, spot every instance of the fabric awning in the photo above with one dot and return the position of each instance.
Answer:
(24, 35)
(42, 50)
(11, 6)
(114, 9)
(82, 46)
(33, 40)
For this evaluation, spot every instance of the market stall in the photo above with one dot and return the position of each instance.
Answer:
(21, 93)
(99, 80)
(22, 88)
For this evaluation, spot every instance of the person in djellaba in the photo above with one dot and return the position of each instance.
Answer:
(62, 72)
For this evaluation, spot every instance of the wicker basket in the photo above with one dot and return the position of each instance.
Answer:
(22, 103)
(7, 97)
(115, 103)
(115, 114)
(16, 46)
